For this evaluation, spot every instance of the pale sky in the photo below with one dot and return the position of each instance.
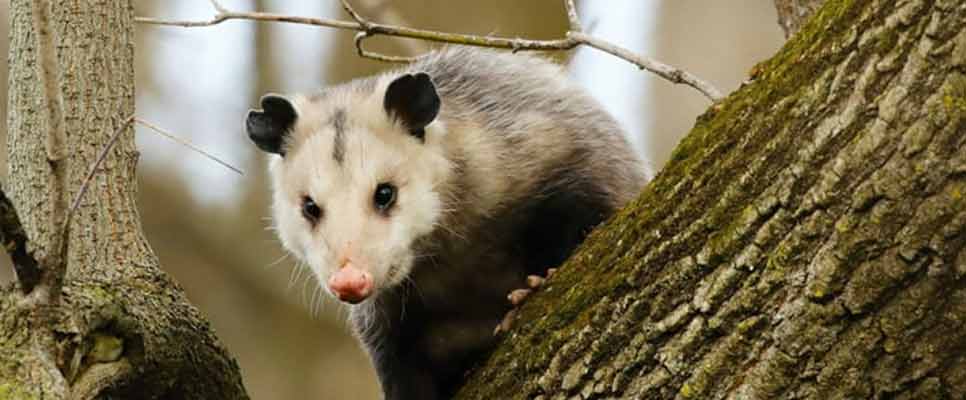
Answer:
(619, 85)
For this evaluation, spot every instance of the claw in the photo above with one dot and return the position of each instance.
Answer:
(506, 323)
(517, 297)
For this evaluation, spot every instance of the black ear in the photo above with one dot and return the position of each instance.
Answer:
(268, 127)
(412, 99)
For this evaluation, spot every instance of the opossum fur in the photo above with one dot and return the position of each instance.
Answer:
(497, 167)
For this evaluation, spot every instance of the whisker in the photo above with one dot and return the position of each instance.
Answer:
(293, 275)
(305, 300)
(278, 261)
(319, 300)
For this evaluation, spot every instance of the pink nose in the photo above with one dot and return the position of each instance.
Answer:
(351, 284)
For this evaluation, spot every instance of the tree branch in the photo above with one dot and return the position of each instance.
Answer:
(665, 71)
(110, 144)
(366, 33)
(355, 16)
(93, 170)
(53, 257)
(191, 146)
(389, 14)
(366, 28)
(575, 25)
(47, 65)
(361, 36)
(14, 240)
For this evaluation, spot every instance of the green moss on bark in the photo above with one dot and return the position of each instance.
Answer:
(716, 241)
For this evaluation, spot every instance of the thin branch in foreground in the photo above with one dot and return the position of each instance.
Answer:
(92, 171)
(663, 70)
(217, 6)
(184, 142)
(14, 240)
(86, 183)
(366, 33)
(352, 13)
(575, 25)
(361, 36)
(573, 38)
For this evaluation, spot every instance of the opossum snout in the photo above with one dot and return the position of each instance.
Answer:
(351, 284)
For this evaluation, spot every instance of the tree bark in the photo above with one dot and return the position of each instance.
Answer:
(792, 14)
(121, 327)
(807, 239)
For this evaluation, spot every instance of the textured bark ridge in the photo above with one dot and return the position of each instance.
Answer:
(792, 14)
(806, 240)
(122, 328)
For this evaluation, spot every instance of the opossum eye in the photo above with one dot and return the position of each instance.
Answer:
(311, 211)
(384, 197)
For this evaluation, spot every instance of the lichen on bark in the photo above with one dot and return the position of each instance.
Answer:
(805, 241)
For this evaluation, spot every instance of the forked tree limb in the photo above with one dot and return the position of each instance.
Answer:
(86, 183)
(52, 258)
(14, 241)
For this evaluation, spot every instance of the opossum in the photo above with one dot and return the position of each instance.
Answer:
(422, 196)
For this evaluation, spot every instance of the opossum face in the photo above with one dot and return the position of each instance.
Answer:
(356, 183)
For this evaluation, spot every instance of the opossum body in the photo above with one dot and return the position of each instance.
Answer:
(424, 195)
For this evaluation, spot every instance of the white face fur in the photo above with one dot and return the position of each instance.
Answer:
(349, 222)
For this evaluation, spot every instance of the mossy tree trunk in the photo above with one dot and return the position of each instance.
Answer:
(807, 239)
(792, 14)
(121, 328)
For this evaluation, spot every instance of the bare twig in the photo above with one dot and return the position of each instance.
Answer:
(366, 33)
(352, 13)
(222, 16)
(218, 7)
(93, 170)
(574, 37)
(361, 36)
(375, 29)
(186, 143)
(572, 16)
(388, 13)
(86, 183)
(663, 70)
(14, 240)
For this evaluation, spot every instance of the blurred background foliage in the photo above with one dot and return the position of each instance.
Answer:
(209, 226)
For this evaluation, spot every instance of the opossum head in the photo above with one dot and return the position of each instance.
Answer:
(356, 174)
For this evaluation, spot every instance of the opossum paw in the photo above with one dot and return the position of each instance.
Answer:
(518, 297)
(506, 323)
